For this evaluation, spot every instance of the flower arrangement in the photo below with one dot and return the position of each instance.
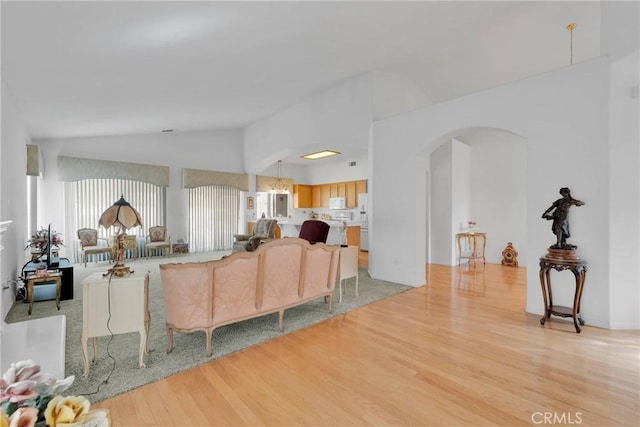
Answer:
(40, 240)
(28, 396)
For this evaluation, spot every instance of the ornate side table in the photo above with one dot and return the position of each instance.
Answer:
(560, 260)
(35, 279)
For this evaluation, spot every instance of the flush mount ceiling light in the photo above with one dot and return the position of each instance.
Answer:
(320, 154)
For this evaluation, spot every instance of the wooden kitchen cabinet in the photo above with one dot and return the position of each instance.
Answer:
(316, 196)
(319, 194)
(351, 195)
(325, 190)
(353, 235)
(333, 190)
(302, 196)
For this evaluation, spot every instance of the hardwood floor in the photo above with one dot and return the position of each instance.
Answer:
(459, 351)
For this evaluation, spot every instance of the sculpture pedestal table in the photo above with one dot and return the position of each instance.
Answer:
(579, 269)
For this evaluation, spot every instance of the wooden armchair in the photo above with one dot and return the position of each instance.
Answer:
(158, 240)
(89, 244)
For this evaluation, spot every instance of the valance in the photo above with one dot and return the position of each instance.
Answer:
(192, 178)
(76, 169)
(264, 184)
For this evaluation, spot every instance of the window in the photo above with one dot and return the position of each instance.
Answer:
(213, 217)
(89, 198)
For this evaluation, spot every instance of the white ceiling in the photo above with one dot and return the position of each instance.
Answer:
(109, 68)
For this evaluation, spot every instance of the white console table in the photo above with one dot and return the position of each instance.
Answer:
(348, 266)
(127, 298)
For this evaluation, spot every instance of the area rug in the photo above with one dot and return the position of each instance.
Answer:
(117, 369)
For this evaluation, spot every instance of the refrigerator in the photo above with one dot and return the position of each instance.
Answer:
(363, 206)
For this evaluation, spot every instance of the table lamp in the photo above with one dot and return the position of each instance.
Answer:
(121, 214)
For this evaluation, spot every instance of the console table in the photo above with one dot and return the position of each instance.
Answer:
(127, 300)
(471, 246)
(579, 269)
(34, 279)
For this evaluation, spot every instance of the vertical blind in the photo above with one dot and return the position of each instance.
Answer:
(89, 198)
(213, 217)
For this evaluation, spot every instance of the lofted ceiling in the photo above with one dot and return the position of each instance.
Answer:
(92, 68)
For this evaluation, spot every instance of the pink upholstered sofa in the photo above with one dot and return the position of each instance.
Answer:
(283, 273)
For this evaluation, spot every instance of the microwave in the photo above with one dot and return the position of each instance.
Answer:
(337, 203)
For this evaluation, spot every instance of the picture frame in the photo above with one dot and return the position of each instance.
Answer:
(250, 204)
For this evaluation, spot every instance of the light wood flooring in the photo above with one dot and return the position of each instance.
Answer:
(459, 351)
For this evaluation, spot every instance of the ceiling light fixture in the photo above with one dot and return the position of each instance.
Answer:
(571, 27)
(279, 185)
(320, 154)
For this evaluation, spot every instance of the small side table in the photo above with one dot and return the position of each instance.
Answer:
(579, 269)
(469, 247)
(180, 248)
(348, 266)
(35, 279)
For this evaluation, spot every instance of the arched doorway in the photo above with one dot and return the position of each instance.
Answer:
(476, 175)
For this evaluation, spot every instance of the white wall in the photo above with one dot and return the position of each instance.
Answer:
(441, 203)
(460, 193)
(13, 196)
(563, 116)
(395, 94)
(340, 113)
(338, 170)
(213, 150)
(450, 199)
(498, 190)
(624, 191)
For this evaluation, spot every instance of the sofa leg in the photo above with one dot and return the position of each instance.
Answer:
(209, 334)
(330, 301)
(169, 339)
(281, 320)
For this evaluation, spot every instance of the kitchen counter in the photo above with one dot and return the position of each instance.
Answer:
(290, 227)
(331, 222)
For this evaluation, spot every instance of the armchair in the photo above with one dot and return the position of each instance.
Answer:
(265, 229)
(89, 244)
(158, 239)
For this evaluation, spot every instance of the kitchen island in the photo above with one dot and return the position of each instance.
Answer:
(337, 231)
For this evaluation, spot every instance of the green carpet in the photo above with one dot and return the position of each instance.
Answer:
(189, 350)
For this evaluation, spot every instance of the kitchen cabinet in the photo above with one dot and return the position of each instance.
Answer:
(319, 194)
(325, 190)
(351, 195)
(316, 196)
(333, 190)
(353, 235)
(302, 196)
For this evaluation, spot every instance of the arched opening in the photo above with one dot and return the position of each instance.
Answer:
(477, 175)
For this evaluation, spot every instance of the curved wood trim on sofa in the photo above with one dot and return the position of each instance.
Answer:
(280, 274)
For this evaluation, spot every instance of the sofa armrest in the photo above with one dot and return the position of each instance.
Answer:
(242, 237)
